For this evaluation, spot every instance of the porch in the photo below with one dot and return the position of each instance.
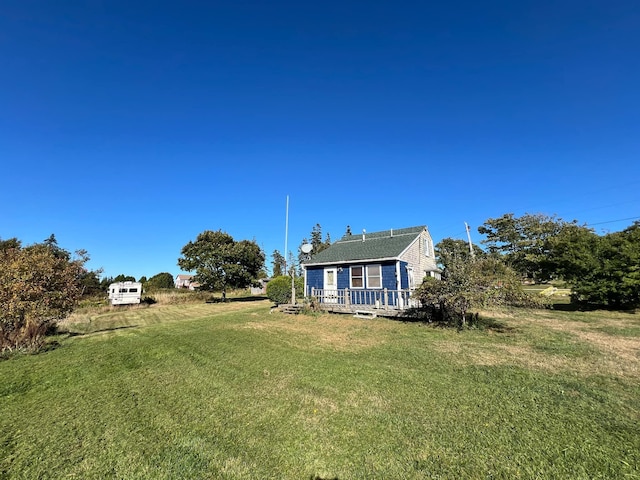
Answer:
(383, 302)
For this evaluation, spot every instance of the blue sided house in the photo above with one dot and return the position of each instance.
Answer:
(371, 272)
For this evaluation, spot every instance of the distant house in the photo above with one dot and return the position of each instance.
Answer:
(372, 271)
(186, 281)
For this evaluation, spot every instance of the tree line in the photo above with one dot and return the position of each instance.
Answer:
(41, 283)
(158, 281)
(601, 270)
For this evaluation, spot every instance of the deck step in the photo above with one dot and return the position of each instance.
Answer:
(365, 314)
(291, 309)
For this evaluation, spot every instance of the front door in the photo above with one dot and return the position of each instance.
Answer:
(331, 285)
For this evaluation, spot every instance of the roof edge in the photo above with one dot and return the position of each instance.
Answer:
(342, 262)
(381, 233)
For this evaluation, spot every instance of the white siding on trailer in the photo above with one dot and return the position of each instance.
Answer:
(125, 293)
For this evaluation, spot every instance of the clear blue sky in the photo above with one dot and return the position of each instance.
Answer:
(127, 128)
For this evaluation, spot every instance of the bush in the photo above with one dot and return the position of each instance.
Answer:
(39, 285)
(472, 284)
(279, 289)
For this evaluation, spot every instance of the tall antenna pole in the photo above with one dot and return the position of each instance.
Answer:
(469, 238)
(286, 235)
(286, 238)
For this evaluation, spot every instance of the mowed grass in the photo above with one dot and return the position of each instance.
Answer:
(208, 391)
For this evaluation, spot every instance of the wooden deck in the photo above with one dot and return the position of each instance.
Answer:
(362, 302)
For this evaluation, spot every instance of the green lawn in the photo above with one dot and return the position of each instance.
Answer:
(231, 391)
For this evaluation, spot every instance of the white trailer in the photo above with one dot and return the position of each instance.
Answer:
(125, 293)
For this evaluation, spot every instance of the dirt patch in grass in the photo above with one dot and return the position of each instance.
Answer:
(339, 332)
(579, 345)
(497, 354)
(367, 401)
(621, 355)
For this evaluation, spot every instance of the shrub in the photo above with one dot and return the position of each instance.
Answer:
(472, 284)
(279, 289)
(38, 286)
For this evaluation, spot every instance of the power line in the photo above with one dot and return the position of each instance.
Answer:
(461, 235)
(612, 221)
(563, 199)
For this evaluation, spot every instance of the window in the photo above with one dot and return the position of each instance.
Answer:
(357, 277)
(427, 247)
(133, 290)
(374, 276)
(123, 290)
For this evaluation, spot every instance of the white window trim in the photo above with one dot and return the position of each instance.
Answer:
(351, 276)
(427, 246)
(411, 278)
(380, 276)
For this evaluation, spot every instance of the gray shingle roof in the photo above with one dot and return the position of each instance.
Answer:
(377, 245)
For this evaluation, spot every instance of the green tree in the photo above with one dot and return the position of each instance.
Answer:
(90, 283)
(523, 242)
(52, 244)
(123, 278)
(603, 270)
(278, 263)
(450, 249)
(220, 262)
(316, 239)
(9, 244)
(317, 244)
(105, 282)
(160, 280)
(39, 285)
(574, 252)
(623, 266)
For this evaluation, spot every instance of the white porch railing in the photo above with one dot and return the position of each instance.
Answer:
(383, 299)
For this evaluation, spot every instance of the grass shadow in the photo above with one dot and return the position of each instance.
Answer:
(572, 307)
(251, 298)
(76, 333)
(589, 307)
(434, 318)
(488, 323)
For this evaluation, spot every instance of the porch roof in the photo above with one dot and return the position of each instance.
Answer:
(385, 245)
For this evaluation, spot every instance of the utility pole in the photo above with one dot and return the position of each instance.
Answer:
(469, 238)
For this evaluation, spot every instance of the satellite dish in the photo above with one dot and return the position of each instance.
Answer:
(306, 248)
